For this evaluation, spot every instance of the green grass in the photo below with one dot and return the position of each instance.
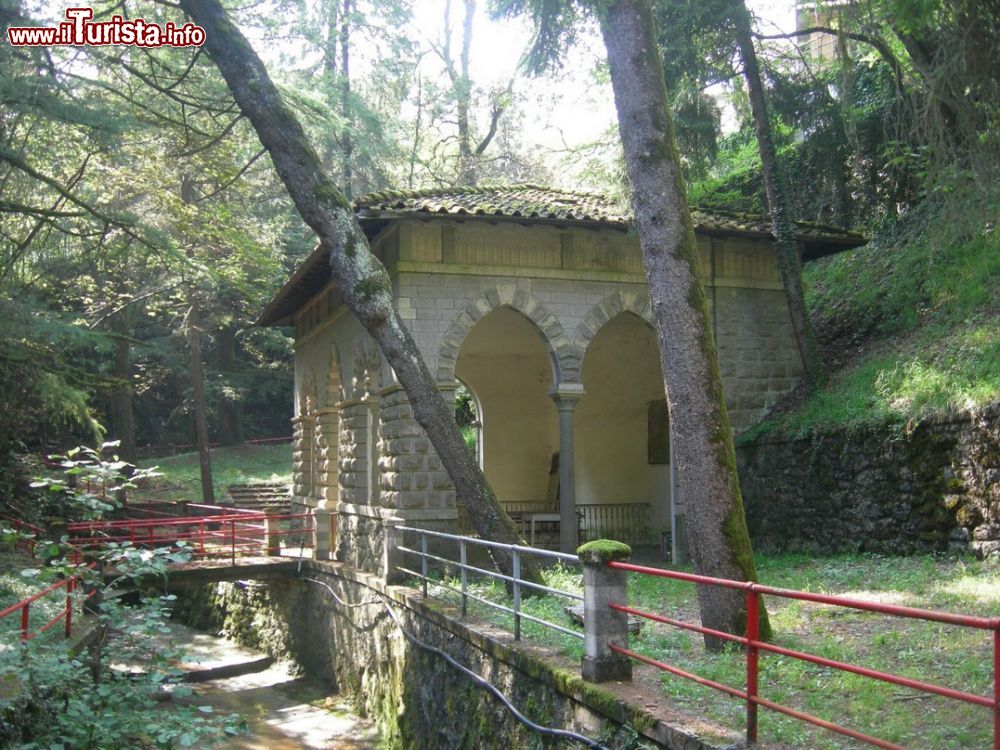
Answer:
(912, 320)
(943, 654)
(246, 464)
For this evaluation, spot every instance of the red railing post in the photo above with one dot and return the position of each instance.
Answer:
(69, 606)
(753, 632)
(24, 622)
(232, 542)
(996, 687)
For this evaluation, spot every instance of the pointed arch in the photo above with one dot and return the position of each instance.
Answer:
(562, 353)
(614, 304)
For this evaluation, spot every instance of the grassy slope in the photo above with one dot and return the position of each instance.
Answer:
(244, 464)
(910, 323)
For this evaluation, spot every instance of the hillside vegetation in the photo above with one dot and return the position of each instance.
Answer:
(910, 323)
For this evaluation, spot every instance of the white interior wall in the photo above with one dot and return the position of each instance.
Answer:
(505, 363)
(621, 376)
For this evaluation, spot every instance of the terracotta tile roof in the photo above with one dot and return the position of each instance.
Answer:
(513, 201)
(535, 202)
(526, 203)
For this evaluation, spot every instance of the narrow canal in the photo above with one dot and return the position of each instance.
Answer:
(283, 711)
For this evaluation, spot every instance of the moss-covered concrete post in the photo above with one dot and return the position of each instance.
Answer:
(602, 625)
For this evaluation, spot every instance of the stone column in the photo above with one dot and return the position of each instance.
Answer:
(566, 396)
(327, 448)
(602, 625)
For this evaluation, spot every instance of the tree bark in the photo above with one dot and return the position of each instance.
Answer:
(230, 410)
(346, 143)
(703, 443)
(192, 333)
(786, 247)
(122, 415)
(359, 276)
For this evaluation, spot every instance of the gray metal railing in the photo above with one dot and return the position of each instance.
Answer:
(515, 580)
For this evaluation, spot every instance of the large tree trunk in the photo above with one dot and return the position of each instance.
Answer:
(192, 333)
(785, 245)
(359, 276)
(230, 410)
(122, 415)
(703, 442)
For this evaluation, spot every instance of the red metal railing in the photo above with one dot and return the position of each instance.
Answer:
(753, 645)
(233, 534)
(65, 613)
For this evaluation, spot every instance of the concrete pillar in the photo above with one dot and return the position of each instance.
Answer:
(602, 625)
(566, 396)
(272, 532)
(324, 534)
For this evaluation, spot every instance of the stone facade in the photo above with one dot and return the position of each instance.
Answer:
(932, 487)
(359, 452)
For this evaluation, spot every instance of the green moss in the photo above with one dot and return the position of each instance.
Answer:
(327, 194)
(603, 550)
(371, 287)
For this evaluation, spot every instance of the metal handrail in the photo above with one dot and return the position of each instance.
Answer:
(753, 645)
(515, 580)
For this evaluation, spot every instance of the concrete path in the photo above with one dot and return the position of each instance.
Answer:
(283, 712)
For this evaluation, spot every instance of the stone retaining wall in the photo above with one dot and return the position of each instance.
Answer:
(934, 486)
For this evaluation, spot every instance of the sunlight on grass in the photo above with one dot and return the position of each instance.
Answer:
(916, 313)
(943, 654)
(244, 464)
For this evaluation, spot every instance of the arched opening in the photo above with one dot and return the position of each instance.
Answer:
(468, 416)
(505, 362)
(621, 433)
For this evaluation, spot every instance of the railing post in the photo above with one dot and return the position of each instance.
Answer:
(463, 558)
(423, 563)
(996, 688)
(232, 542)
(69, 607)
(753, 633)
(272, 536)
(24, 623)
(390, 551)
(516, 567)
(602, 625)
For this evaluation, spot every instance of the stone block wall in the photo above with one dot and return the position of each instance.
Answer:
(933, 487)
(302, 460)
(758, 358)
(326, 482)
(411, 473)
(353, 454)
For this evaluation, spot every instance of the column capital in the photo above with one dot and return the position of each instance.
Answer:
(566, 394)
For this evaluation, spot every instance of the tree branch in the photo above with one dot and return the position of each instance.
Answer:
(879, 45)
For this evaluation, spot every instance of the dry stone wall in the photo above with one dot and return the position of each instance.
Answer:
(933, 487)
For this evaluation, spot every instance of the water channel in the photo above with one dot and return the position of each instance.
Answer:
(283, 711)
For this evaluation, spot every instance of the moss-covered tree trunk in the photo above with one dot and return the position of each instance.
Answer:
(703, 444)
(785, 245)
(360, 277)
